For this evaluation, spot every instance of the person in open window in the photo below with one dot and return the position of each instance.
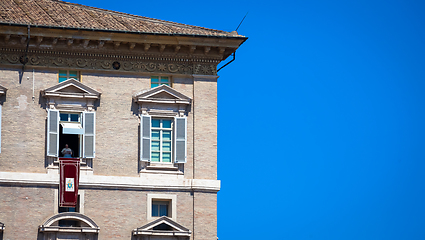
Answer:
(67, 152)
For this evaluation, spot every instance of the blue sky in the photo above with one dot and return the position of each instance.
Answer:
(321, 116)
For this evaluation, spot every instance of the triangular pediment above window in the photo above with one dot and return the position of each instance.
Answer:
(71, 88)
(161, 94)
(71, 95)
(163, 226)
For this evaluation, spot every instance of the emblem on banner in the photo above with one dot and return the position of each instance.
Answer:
(69, 182)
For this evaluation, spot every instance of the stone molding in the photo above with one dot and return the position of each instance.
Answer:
(148, 229)
(50, 224)
(110, 62)
(82, 95)
(155, 182)
(162, 94)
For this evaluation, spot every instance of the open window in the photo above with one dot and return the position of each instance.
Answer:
(79, 136)
(163, 127)
(71, 121)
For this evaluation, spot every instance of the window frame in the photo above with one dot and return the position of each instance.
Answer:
(87, 133)
(161, 141)
(161, 202)
(178, 151)
(69, 116)
(159, 82)
(172, 206)
(78, 77)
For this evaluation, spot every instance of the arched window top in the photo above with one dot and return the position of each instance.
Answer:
(69, 221)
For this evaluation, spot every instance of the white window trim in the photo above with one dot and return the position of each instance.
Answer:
(162, 197)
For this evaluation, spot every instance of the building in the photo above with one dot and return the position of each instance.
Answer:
(135, 99)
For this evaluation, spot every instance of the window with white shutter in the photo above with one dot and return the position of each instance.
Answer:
(163, 140)
(64, 128)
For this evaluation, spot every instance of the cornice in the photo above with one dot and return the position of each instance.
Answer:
(184, 46)
(109, 62)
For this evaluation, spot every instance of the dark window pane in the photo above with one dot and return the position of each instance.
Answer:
(74, 117)
(163, 210)
(64, 117)
(155, 210)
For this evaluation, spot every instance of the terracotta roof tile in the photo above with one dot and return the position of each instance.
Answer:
(56, 13)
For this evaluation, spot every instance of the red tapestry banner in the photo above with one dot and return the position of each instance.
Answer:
(69, 179)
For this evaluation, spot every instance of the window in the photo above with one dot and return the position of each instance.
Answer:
(160, 205)
(163, 139)
(67, 74)
(160, 208)
(159, 80)
(70, 117)
(75, 129)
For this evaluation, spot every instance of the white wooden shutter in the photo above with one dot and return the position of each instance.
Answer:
(180, 153)
(145, 138)
(0, 126)
(52, 133)
(89, 124)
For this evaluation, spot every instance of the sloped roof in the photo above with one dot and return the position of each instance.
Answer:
(56, 13)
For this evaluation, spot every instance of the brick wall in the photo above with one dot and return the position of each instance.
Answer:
(24, 121)
(205, 109)
(117, 212)
(205, 216)
(23, 209)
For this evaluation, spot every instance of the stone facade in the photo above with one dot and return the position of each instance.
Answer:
(117, 187)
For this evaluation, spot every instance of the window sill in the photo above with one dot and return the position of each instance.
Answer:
(53, 165)
(162, 166)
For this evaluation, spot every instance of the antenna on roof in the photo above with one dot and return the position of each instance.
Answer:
(234, 53)
(241, 21)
